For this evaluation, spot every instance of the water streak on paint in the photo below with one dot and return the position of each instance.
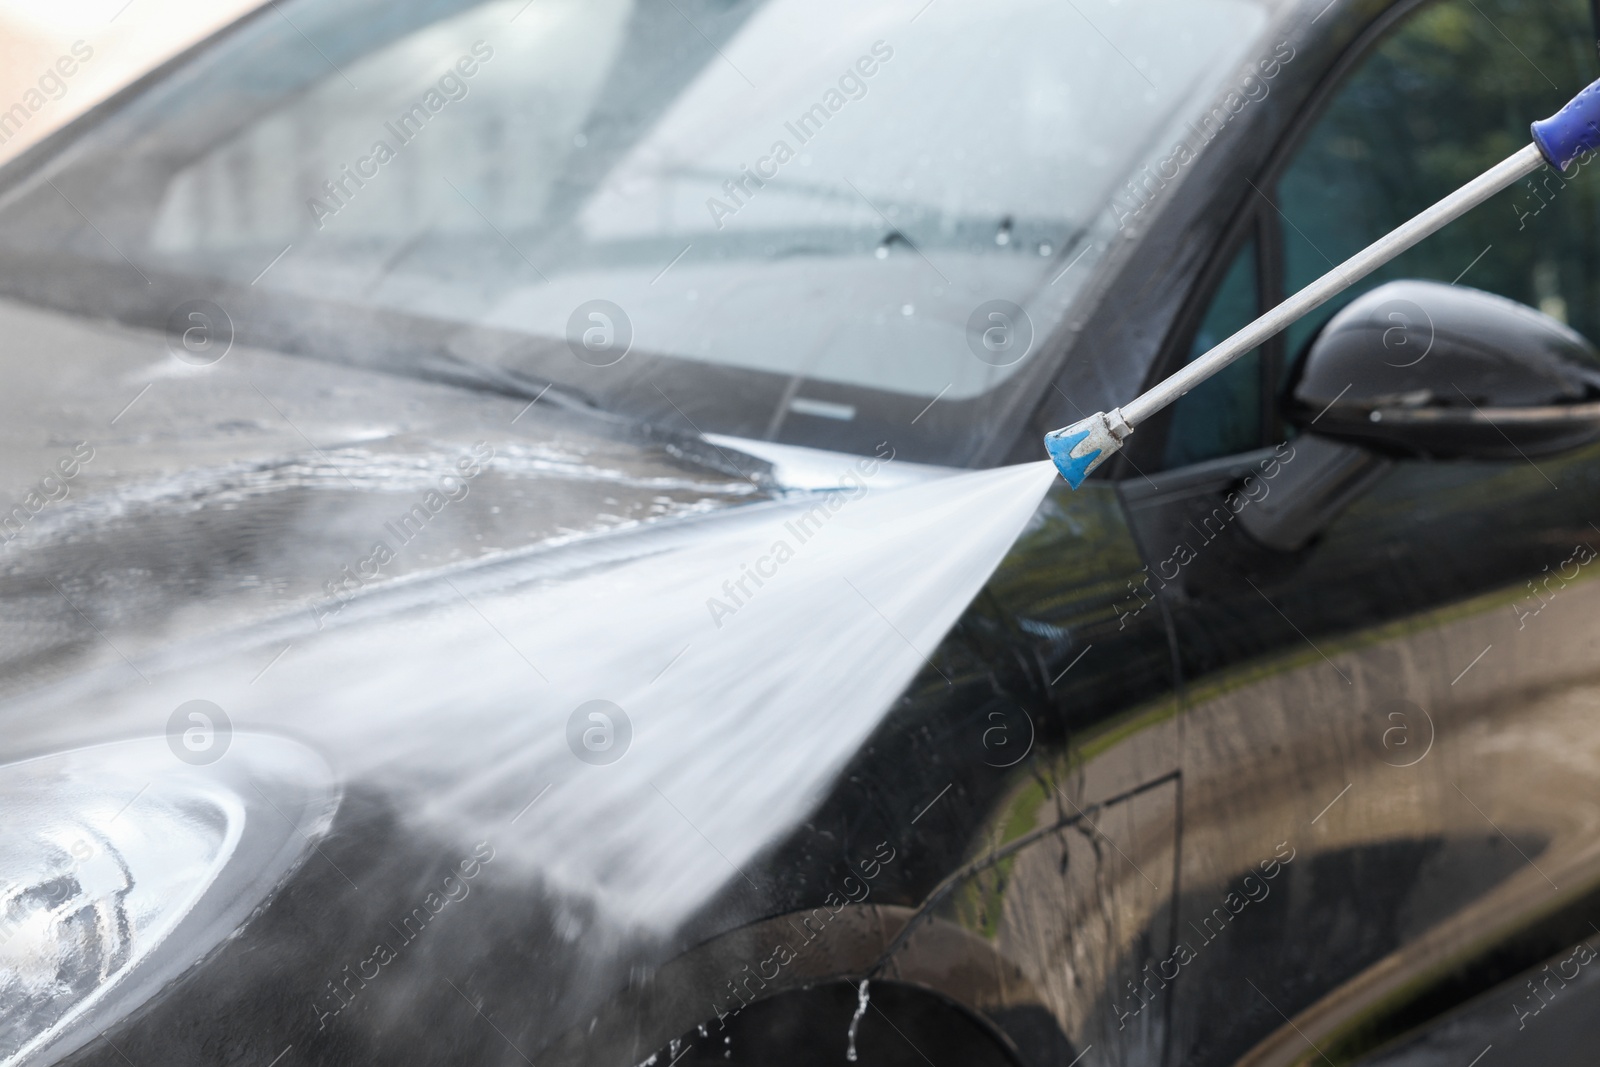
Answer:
(862, 994)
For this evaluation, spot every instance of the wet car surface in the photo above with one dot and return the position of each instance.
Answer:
(557, 599)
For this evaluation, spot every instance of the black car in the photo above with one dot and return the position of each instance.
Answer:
(530, 541)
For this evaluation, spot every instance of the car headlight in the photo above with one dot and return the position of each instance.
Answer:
(122, 864)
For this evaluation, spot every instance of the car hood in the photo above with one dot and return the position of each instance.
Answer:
(209, 495)
(436, 590)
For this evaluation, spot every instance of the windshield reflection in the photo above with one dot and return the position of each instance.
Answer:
(774, 219)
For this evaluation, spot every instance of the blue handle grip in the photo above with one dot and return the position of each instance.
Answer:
(1572, 131)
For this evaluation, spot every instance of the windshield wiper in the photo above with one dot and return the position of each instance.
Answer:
(451, 369)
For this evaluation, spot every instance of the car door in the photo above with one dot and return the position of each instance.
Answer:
(1403, 704)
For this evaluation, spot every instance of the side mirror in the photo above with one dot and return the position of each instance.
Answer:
(1421, 369)
(1418, 368)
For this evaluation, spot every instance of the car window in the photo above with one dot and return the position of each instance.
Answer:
(1446, 94)
(779, 219)
(1222, 415)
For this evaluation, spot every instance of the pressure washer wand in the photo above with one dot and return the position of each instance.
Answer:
(1558, 140)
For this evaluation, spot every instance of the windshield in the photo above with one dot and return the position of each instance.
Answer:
(820, 222)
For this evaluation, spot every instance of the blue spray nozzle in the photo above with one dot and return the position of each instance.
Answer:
(1080, 448)
(1572, 131)
(1060, 443)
